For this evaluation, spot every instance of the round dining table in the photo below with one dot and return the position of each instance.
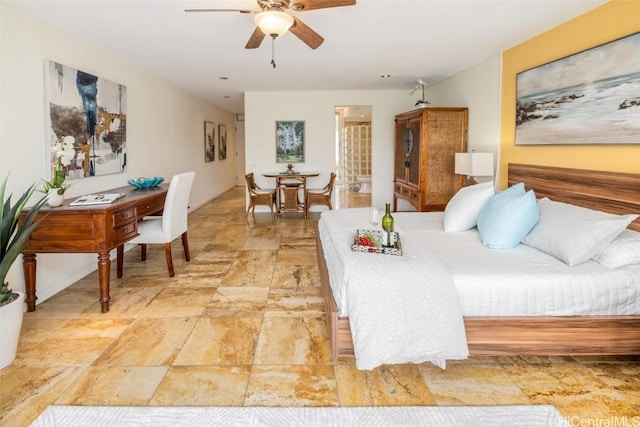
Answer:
(288, 186)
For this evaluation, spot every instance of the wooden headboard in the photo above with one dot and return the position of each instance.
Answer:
(612, 192)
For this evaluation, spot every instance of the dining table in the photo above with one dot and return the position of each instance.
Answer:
(288, 185)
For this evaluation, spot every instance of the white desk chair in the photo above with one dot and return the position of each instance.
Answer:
(172, 223)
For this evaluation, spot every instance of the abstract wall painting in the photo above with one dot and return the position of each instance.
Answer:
(209, 141)
(92, 110)
(222, 142)
(591, 97)
(290, 142)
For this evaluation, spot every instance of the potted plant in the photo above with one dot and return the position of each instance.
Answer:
(422, 102)
(13, 236)
(63, 153)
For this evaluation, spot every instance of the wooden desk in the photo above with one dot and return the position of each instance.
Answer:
(87, 229)
(288, 201)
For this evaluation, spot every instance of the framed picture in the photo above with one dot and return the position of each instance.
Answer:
(591, 97)
(93, 111)
(222, 142)
(290, 142)
(209, 141)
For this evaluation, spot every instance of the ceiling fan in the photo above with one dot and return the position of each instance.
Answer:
(272, 20)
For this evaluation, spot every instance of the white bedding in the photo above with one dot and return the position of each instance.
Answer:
(489, 282)
(425, 323)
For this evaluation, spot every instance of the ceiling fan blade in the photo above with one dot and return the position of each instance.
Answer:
(304, 5)
(255, 40)
(222, 10)
(306, 34)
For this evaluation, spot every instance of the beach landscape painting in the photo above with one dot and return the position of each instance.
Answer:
(591, 97)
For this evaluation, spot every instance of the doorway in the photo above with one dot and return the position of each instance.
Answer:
(353, 155)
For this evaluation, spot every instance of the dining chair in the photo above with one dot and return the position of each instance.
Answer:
(321, 196)
(258, 195)
(289, 187)
(173, 222)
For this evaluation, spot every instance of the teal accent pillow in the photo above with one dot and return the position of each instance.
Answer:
(508, 217)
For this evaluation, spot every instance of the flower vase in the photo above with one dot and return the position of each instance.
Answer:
(55, 199)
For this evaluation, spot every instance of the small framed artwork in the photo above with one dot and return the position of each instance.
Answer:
(222, 142)
(290, 141)
(209, 141)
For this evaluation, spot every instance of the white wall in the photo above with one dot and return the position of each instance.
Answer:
(317, 109)
(165, 129)
(477, 88)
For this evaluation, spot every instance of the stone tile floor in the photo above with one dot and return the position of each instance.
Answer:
(243, 324)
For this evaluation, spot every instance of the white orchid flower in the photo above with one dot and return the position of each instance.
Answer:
(63, 150)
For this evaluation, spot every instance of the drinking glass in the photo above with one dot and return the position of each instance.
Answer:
(374, 217)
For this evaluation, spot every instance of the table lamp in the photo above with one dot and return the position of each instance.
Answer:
(473, 164)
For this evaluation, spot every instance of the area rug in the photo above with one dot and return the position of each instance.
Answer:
(432, 416)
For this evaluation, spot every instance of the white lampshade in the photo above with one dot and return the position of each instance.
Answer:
(474, 164)
(273, 23)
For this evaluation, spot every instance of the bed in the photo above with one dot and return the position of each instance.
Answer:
(606, 334)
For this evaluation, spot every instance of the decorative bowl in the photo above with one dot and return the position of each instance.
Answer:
(143, 182)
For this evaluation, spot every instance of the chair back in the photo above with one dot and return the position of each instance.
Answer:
(329, 186)
(293, 181)
(176, 205)
(251, 182)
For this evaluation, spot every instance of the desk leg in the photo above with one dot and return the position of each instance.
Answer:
(104, 267)
(29, 267)
(119, 261)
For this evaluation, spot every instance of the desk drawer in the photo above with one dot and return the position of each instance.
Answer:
(151, 207)
(123, 217)
(125, 232)
(125, 226)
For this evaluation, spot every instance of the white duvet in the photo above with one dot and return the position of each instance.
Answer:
(396, 292)
(401, 308)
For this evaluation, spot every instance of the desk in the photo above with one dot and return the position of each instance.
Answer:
(288, 202)
(90, 229)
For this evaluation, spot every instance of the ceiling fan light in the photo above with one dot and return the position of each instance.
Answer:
(273, 23)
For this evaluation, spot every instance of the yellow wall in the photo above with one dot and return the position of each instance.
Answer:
(613, 20)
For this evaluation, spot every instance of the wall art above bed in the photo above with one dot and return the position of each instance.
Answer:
(591, 97)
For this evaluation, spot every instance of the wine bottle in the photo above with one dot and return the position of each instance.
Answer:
(387, 224)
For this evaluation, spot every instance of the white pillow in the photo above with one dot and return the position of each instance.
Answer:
(462, 211)
(572, 233)
(624, 250)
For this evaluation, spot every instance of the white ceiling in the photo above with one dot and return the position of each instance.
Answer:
(408, 39)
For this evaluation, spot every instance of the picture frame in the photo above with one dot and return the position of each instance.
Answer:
(92, 110)
(222, 142)
(590, 97)
(209, 141)
(290, 136)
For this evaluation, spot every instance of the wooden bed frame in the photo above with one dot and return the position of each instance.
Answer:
(569, 335)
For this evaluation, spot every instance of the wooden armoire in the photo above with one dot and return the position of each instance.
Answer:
(426, 141)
